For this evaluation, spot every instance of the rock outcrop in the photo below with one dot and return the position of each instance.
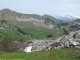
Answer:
(68, 41)
(37, 45)
(71, 40)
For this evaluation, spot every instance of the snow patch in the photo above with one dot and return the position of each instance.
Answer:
(28, 49)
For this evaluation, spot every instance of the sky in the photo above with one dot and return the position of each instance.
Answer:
(41, 7)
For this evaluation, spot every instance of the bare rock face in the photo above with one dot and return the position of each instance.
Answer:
(37, 45)
(71, 40)
(68, 41)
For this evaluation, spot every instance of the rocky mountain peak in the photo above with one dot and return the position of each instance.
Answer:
(6, 10)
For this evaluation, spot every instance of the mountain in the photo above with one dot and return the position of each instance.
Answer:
(27, 26)
(38, 29)
(73, 26)
(67, 18)
(45, 20)
(56, 21)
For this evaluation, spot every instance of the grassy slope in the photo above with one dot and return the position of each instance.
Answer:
(62, 54)
(38, 32)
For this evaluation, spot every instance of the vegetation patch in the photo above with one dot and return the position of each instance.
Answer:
(62, 54)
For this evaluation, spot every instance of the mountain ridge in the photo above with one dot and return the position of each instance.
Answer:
(30, 24)
(7, 14)
(67, 18)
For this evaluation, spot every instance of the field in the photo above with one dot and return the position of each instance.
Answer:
(61, 54)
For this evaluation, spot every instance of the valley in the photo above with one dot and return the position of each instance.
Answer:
(24, 35)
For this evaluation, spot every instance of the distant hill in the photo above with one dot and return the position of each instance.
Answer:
(73, 26)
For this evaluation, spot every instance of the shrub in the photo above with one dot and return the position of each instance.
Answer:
(48, 36)
(7, 39)
(21, 40)
(8, 36)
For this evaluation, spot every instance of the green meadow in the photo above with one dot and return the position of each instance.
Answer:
(61, 54)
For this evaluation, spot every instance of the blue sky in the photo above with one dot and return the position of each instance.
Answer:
(41, 7)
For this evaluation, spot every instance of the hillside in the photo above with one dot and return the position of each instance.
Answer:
(20, 33)
(30, 26)
(73, 26)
